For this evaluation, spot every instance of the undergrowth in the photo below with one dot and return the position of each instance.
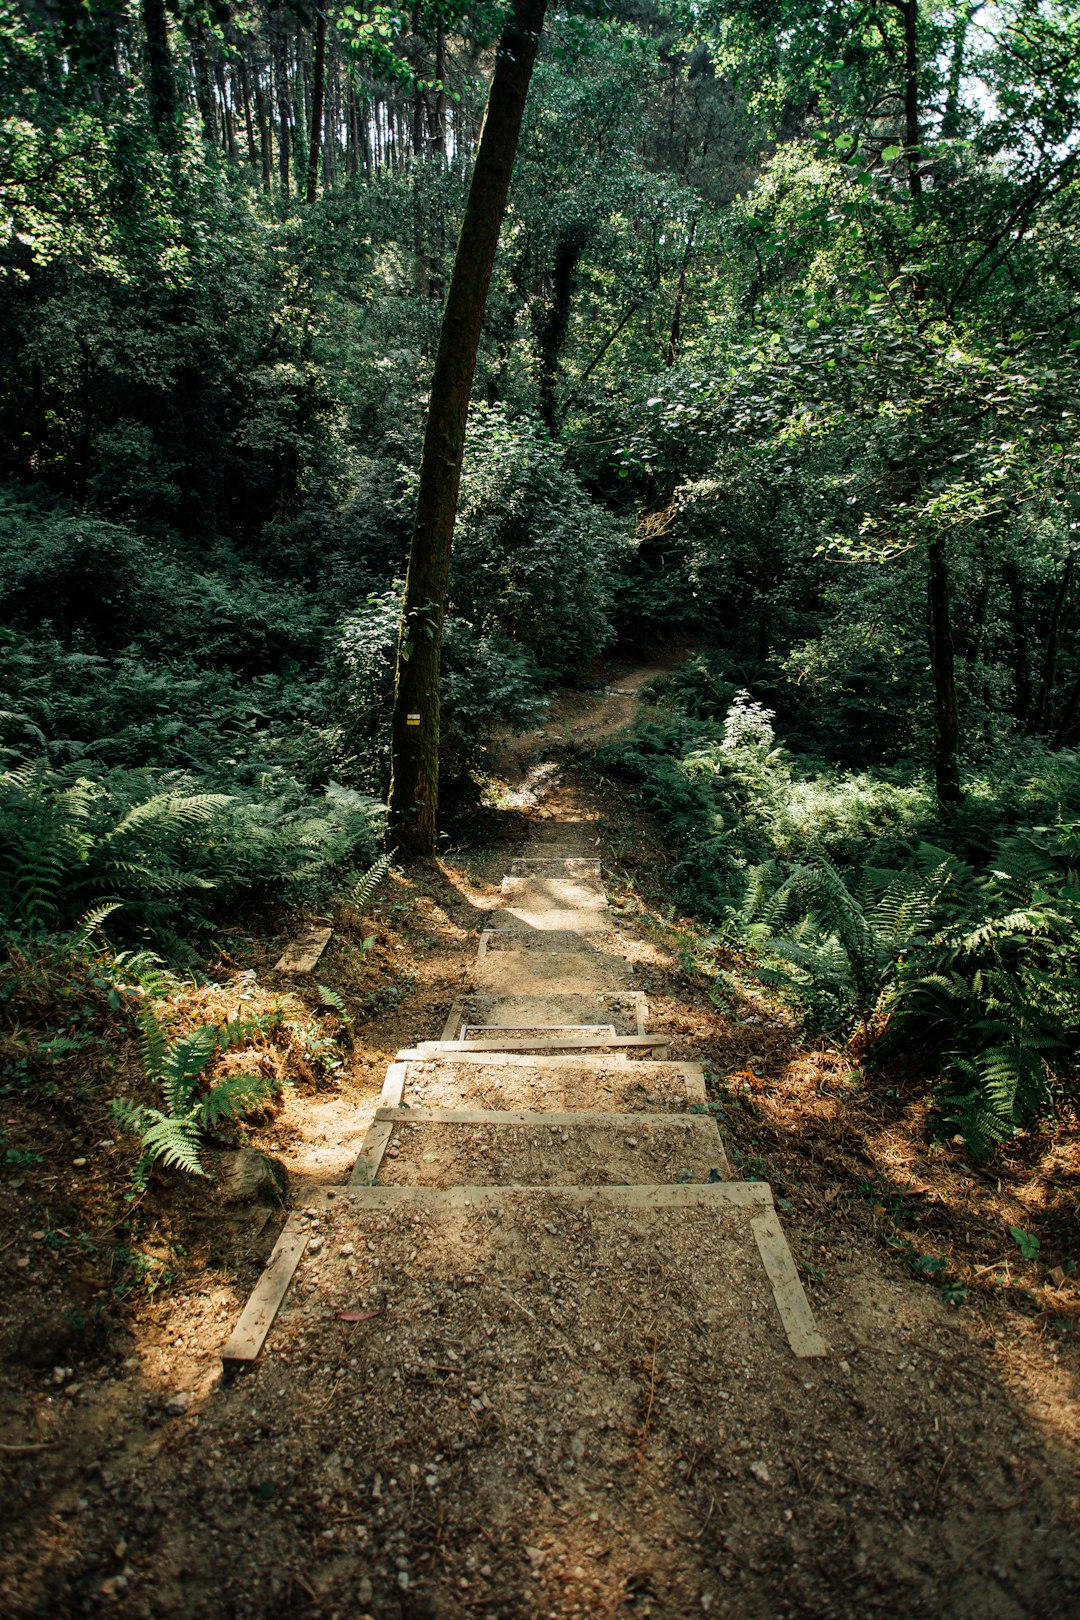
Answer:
(950, 944)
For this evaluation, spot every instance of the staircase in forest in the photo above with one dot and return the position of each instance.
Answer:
(547, 1094)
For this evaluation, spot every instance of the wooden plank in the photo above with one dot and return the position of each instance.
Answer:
(791, 1301)
(452, 1053)
(573, 865)
(694, 1074)
(304, 952)
(453, 1021)
(371, 1153)
(258, 1314)
(752, 1195)
(393, 1085)
(522, 1116)
(578, 1043)
(485, 1032)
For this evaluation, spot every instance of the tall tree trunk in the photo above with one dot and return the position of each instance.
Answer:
(912, 132)
(950, 120)
(160, 83)
(228, 135)
(1067, 724)
(281, 74)
(204, 91)
(552, 327)
(943, 665)
(318, 96)
(262, 114)
(1044, 702)
(241, 71)
(414, 786)
(675, 335)
(438, 140)
(1020, 664)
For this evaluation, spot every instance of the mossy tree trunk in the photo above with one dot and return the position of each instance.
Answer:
(414, 786)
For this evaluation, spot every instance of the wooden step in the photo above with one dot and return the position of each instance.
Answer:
(615, 1012)
(710, 1255)
(509, 1080)
(446, 1147)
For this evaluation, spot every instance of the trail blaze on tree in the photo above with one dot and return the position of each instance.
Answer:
(414, 786)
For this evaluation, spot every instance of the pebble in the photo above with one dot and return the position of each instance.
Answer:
(314, 1245)
(79, 1164)
(177, 1404)
(761, 1473)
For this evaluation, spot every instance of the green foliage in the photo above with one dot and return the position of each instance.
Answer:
(532, 554)
(361, 892)
(486, 681)
(163, 859)
(194, 1106)
(953, 945)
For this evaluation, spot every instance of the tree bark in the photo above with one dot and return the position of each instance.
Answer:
(554, 323)
(438, 141)
(318, 96)
(1018, 623)
(1044, 703)
(160, 83)
(912, 132)
(675, 336)
(414, 785)
(281, 74)
(943, 665)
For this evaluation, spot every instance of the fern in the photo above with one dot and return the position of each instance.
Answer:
(364, 887)
(193, 1105)
(331, 999)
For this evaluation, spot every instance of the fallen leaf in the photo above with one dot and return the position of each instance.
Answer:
(359, 1316)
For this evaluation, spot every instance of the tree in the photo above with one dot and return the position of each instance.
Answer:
(414, 785)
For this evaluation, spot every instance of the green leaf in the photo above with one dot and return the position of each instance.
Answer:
(1026, 1242)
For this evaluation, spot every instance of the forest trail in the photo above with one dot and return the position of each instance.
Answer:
(538, 1368)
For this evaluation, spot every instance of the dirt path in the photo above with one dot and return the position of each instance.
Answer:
(575, 1401)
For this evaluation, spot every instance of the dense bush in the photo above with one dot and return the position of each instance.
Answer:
(163, 859)
(533, 555)
(952, 941)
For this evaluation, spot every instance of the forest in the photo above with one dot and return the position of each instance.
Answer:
(754, 421)
(780, 361)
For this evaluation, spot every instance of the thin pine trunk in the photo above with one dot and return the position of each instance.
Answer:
(318, 95)
(160, 82)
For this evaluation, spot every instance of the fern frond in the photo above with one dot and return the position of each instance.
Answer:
(331, 999)
(364, 887)
(184, 1063)
(172, 1140)
(235, 1097)
(173, 812)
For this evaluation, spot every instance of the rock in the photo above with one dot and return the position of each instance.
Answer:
(47, 1342)
(248, 1176)
(761, 1473)
(177, 1404)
